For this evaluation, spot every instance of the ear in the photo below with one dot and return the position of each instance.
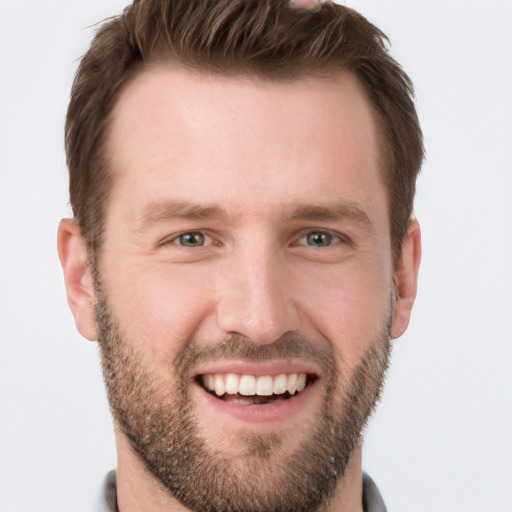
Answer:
(405, 279)
(77, 277)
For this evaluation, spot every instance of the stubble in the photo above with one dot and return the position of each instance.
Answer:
(159, 421)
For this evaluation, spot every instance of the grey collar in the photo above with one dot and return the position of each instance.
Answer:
(372, 500)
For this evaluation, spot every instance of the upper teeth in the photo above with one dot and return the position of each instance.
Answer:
(250, 385)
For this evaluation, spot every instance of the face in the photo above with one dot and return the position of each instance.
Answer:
(243, 289)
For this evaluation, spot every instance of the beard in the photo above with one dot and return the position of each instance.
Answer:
(158, 420)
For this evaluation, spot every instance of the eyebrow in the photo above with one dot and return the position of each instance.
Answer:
(185, 210)
(333, 213)
(166, 210)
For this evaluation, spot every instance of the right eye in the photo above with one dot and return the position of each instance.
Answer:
(191, 239)
(319, 239)
(188, 239)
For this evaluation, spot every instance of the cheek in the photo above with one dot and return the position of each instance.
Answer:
(162, 308)
(348, 306)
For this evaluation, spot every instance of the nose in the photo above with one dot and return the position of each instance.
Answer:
(256, 296)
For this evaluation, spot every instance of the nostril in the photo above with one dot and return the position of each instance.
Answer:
(255, 298)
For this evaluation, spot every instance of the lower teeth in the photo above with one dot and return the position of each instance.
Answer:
(255, 400)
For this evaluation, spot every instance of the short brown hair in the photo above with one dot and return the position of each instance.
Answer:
(263, 37)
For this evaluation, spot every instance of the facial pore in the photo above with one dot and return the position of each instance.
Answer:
(159, 421)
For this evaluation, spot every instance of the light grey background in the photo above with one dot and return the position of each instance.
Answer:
(442, 438)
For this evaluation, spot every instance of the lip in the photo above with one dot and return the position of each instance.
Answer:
(278, 412)
(260, 368)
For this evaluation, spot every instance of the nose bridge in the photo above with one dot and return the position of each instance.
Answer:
(255, 295)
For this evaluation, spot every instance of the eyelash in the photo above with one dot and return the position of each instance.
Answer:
(334, 239)
(175, 239)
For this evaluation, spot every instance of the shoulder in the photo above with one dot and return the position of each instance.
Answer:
(108, 500)
(372, 499)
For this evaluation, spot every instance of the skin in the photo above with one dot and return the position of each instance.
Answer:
(269, 160)
(306, 5)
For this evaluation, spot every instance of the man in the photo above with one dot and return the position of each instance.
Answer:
(242, 175)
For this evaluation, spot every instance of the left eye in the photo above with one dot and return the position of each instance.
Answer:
(191, 239)
(318, 239)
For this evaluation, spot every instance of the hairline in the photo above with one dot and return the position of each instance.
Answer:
(159, 60)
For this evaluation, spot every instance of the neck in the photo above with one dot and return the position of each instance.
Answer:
(349, 492)
(139, 491)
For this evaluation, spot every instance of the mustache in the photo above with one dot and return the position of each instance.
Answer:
(234, 346)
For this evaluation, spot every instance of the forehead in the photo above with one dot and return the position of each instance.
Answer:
(213, 138)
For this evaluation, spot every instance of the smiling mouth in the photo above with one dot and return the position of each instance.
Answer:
(255, 389)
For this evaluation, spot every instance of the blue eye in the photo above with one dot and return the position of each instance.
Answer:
(319, 239)
(192, 239)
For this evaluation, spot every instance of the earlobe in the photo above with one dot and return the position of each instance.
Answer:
(405, 279)
(77, 277)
